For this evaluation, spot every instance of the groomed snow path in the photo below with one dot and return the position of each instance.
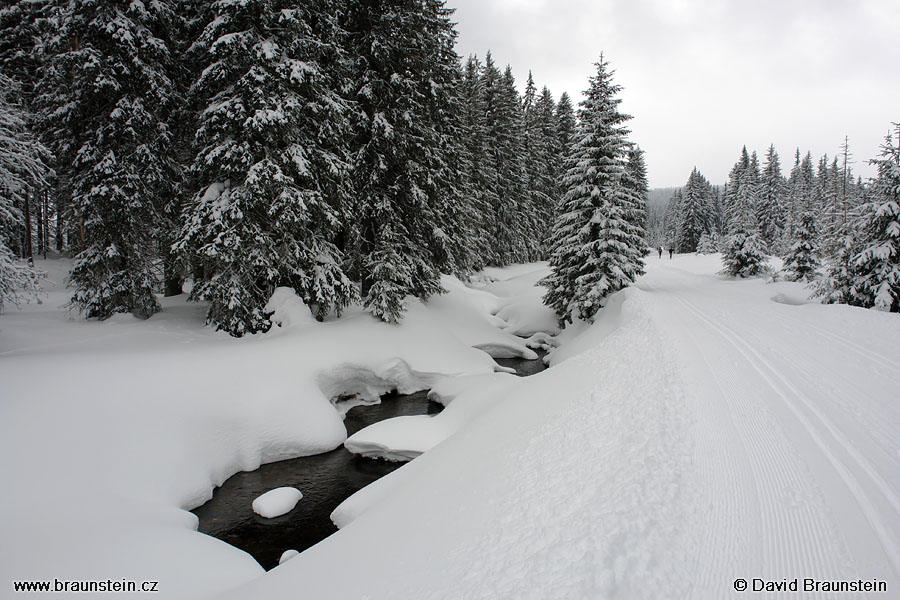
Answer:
(701, 431)
(797, 411)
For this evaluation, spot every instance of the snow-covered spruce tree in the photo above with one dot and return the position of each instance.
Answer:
(827, 196)
(849, 200)
(670, 220)
(565, 123)
(505, 169)
(598, 247)
(636, 189)
(836, 287)
(480, 195)
(108, 96)
(770, 213)
(744, 254)
(718, 210)
(800, 192)
(20, 26)
(742, 193)
(694, 215)
(529, 99)
(546, 167)
(21, 167)
(549, 127)
(19, 62)
(708, 244)
(450, 238)
(877, 282)
(844, 182)
(565, 132)
(792, 204)
(269, 163)
(519, 222)
(404, 81)
(802, 261)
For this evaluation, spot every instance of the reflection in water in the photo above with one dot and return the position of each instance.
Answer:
(326, 480)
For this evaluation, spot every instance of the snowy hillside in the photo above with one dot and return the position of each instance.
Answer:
(702, 430)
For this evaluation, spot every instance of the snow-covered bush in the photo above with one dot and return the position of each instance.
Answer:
(18, 281)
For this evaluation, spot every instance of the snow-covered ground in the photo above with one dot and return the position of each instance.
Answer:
(703, 430)
(110, 431)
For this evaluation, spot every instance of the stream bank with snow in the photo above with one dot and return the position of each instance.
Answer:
(111, 431)
(326, 480)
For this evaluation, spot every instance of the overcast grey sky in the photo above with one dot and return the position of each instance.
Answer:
(701, 79)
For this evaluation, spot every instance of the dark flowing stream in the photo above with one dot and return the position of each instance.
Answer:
(326, 480)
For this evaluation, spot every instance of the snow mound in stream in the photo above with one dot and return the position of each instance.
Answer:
(399, 439)
(277, 502)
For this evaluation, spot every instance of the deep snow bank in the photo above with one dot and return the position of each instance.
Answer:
(404, 438)
(523, 310)
(513, 303)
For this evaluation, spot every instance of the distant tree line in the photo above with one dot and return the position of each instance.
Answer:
(833, 230)
(338, 147)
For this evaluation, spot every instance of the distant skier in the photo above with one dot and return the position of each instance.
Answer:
(670, 253)
(660, 251)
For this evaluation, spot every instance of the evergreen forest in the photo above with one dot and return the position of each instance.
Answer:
(836, 232)
(343, 149)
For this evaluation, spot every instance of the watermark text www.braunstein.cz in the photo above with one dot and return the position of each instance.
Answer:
(94, 585)
(809, 584)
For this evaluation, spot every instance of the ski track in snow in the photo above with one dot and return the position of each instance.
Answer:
(801, 474)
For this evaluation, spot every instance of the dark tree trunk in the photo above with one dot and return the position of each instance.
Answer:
(173, 278)
(29, 249)
(46, 198)
(367, 247)
(173, 284)
(59, 227)
(39, 207)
